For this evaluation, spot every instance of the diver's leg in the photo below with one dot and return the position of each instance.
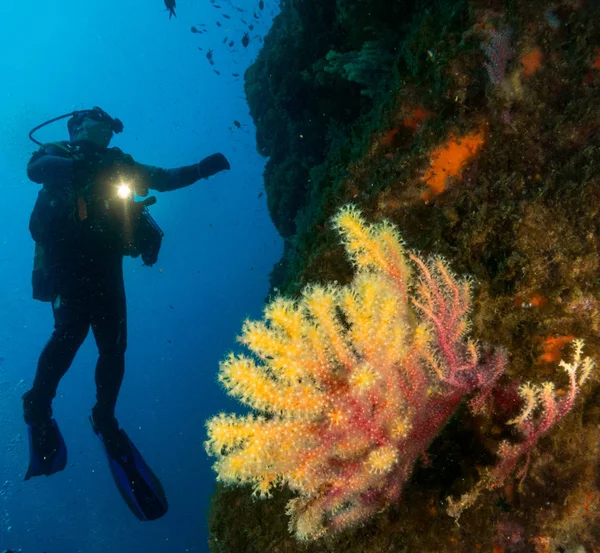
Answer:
(109, 325)
(47, 449)
(135, 480)
(71, 325)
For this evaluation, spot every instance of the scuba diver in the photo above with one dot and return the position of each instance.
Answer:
(84, 221)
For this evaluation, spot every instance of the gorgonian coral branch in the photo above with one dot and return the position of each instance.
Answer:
(541, 409)
(349, 385)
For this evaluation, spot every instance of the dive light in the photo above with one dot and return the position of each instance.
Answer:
(124, 191)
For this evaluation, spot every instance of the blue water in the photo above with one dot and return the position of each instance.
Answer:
(184, 313)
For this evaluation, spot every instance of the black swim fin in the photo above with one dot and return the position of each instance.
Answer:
(47, 449)
(137, 484)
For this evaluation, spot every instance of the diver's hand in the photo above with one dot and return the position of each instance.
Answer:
(211, 165)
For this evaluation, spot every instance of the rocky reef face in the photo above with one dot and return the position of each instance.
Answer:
(323, 64)
(474, 127)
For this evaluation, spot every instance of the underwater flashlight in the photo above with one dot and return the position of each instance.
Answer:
(124, 191)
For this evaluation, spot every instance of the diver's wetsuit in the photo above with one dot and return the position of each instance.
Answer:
(86, 264)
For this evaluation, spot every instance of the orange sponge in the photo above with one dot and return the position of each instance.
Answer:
(449, 159)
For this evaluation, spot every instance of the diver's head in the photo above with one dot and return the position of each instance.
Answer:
(94, 131)
(93, 125)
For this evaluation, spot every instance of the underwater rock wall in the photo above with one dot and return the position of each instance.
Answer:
(323, 64)
(474, 127)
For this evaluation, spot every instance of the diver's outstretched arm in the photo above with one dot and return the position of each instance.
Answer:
(165, 180)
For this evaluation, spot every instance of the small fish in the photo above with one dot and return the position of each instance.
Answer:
(195, 30)
(256, 16)
(200, 48)
(240, 10)
(261, 5)
(231, 44)
(170, 4)
(245, 40)
(226, 16)
(216, 6)
(224, 40)
(218, 24)
(209, 54)
(243, 21)
(237, 123)
(261, 195)
(235, 74)
(251, 27)
(217, 72)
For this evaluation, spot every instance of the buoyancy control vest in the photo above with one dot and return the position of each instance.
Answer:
(61, 212)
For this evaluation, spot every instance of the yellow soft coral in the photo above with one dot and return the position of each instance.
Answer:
(349, 384)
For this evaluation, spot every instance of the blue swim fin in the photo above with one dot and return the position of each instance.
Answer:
(47, 449)
(137, 484)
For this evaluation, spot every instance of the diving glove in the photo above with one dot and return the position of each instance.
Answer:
(211, 165)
